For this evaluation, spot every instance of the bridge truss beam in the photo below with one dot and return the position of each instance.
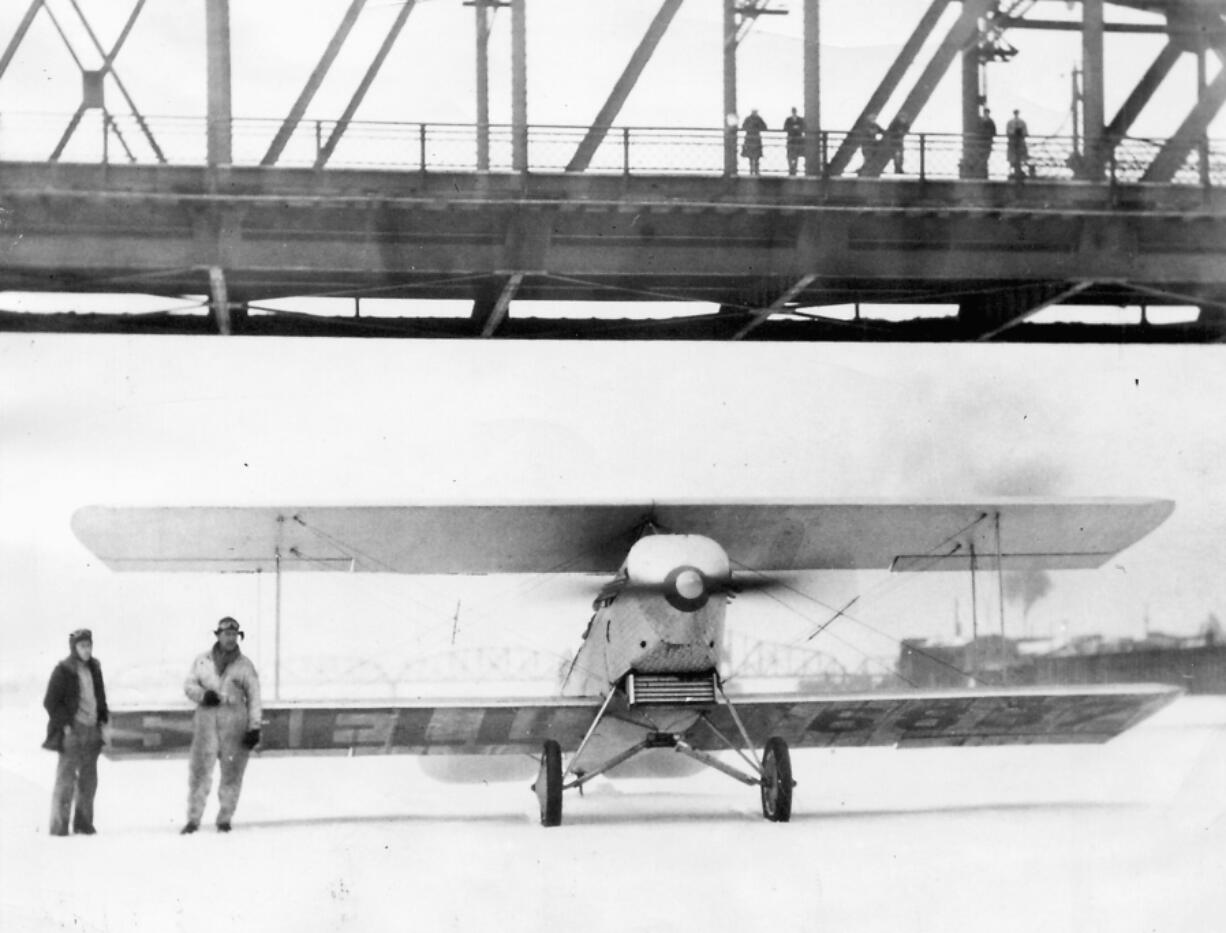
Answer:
(962, 33)
(313, 83)
(625, 84)
(782, 244)
(859, 134)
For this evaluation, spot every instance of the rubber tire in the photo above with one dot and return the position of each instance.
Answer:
(549, 784)
(777, 781)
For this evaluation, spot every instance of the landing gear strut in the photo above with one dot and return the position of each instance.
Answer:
(772, 774)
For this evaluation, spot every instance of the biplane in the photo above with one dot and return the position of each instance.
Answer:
(646, 680)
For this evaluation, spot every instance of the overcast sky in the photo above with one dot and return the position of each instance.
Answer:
(179, 421)
(575, 53)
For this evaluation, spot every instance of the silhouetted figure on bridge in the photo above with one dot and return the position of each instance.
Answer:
(987, 139)
(794, 127)
(869, 136)
(977, 148)
(751, 148)
(1019, 153)
(898, 140)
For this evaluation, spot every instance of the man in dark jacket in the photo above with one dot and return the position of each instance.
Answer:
(76, 705)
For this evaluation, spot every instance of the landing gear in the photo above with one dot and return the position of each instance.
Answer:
(776, 781)
(548, 784)
(771, 774)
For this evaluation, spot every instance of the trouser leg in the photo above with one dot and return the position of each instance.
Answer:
(200, 769)
(233, 766)
(87, 778)
(65, 783)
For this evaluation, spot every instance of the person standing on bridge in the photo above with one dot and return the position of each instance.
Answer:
(985, 142)
(76, 706)
(794, 127)
(754, 126)
(1015, 134)
(225, 687)
(868, 136)
(977, 145)
(898, 140)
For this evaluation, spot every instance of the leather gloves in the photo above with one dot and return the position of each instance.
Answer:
(251, 738)
(210, 698)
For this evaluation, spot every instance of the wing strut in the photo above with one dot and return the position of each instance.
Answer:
(974, 604)
(276, 661)
(1000, 596)
(579, 779)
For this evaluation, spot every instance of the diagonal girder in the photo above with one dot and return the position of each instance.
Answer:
(1024, 310)
(502, 304)
(219, 301)
(778, 304)
(108, 67)
(22, 28)
(843, 155)
(75, 120)
(1174, 151)
(113, 126)
(749, 12)
(314, 80)
(1132, 107)
(364, 85)
(960, 34)
(625, 84)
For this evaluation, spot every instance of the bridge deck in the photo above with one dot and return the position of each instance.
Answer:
(750, 245)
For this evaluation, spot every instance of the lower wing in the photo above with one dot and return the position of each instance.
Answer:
(1047, 715)
(950, 718)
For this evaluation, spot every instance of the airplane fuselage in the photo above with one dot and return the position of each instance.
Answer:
(662, 614)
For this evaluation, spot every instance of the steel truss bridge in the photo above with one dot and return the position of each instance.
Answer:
(243, 211)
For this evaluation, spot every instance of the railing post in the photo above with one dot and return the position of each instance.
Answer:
(319, 139)
(421, 144)
(825, 143)
(923, 156)
(1203, 158)
(625, 150)
(106, 140)
(1113, 163)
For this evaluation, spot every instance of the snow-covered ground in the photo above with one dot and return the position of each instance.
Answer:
(1130, 836)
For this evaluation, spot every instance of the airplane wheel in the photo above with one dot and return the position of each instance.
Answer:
(776, 781)
(548, 784)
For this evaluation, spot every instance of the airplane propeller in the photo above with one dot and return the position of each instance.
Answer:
(687, 588)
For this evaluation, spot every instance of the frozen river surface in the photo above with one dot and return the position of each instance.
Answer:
(1130, 836)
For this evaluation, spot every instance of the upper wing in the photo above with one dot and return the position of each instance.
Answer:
(1049, 715)
(586, 538)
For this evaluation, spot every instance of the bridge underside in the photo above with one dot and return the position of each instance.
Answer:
(756, 248)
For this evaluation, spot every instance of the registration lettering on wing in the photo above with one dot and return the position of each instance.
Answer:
(364, 729)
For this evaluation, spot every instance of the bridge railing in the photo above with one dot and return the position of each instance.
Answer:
(453, 147)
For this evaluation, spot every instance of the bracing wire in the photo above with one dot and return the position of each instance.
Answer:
(934, 554)
(544, 576)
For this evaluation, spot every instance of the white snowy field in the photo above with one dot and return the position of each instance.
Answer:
(1130, 836)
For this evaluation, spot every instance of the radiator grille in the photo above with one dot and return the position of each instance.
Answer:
(671, 689)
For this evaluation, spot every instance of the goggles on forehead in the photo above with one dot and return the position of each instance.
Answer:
(228, 625)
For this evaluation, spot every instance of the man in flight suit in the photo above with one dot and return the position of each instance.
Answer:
(226, 690)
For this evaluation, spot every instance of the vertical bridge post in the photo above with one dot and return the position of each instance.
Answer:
(217, 29)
